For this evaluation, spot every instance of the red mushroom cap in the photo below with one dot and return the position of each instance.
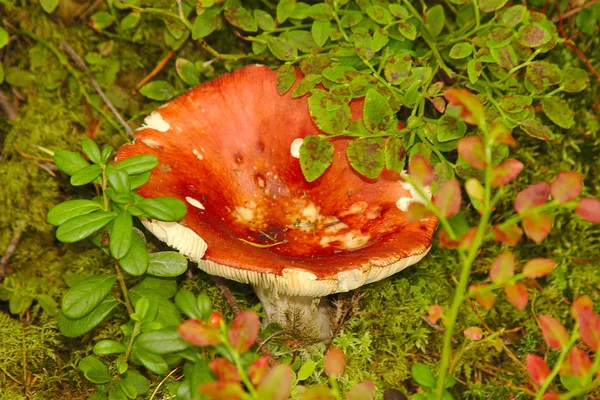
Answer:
(225, 148)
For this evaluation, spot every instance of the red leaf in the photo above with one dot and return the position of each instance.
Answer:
(472, 109)
(277, 383)
(538, 267)
(448, 198)
(485, 299)
(580, 362)
(417, 212)
(580, 303)
(473, 151)
(198, 334)
(517, 295)
(501, 134)
(506, 172)
(334, 362)
(589, 328)
(365, 390)
(503, 267)
(555, 334)
(533, 196)
(445, 241)
(466, 241)
(224, 370)
(474, 333)
(510, 235)
(257, 369)
(420, 170)
(537, 226)
(537, 368)
(220, 390)
(551, 396)
(566, 186)
(244, 330)
(434, 312)
(589, 209)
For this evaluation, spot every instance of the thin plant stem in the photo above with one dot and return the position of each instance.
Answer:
(121, 280)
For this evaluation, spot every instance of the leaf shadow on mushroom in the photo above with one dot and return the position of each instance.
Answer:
(229, 149)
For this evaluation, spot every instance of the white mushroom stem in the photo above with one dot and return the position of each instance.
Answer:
(303, 316)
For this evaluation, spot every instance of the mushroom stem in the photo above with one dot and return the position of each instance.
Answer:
(304, 316)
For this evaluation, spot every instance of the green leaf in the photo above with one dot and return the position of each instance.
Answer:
(316, 154)
(91, 149)
(106, 346)
(491, 5)
(136, 380)
(330, 114)
(206, 23)
(138, 164)
(423, 375)
(187, 71)
(186, 302)
(204, 306)
(286, 76)
(69, 162)
(285, 8)
(377, 113)
(153, 362)
(61, 213)
(320, 31)
(19, 77)
(120, 234)
(1, 73)
(158, 90)
(101, 20)
(306, 85)
(19, 303)
(47, 303)
(85, 295)
(543, 73)
(138, 180)
(460, 50)
(395, 153)
(240, 17)
(168, 338)
(407, 29)
(366, 156)
(306, 370)
(163, 208)
(576, 80)
(401, 12)
(167, 264)
(76, 327)
(505, 56)
(303, 40)
(515, 103)
(264, 19)
(106, 153)
(94, 370)
(3, 37)
(379, 14)
(150, 286)
(80, 227)
(474, 69)
(49, 5)
(435, 20)
(536, 129)
(131, 20)
(86, 175)
(514, 15)
(363, 44)
(118, 180)
(533, 35)
(136, 261)
(282, 48)
(397, 68)
(450, 128)
(558, 111)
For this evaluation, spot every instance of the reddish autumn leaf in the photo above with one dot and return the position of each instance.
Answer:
(472, 150)
(444, 239)
(365, 390)
(510, 235)
(566, 186)
(473, 332)
(503, 267)
(220, 390)
(258, 368)
(448, 198)
(420, 170)
(277, 383)
(537, 226)
(533, 196)
(537, 368)
(439, 104)
(244, 330)
(551, 396)
(538, 267)
(589, 209)
(334, 362)
(224, 370)
(580, 362)
(555, 334)
(214, 321)
(517, 295)
(198, 334)
(589, 328)
(466, 241)
(434, 313)
(580, 303)
(485, 299)
(417, 212)
(506, 172)
(472, 109)
(501, 133)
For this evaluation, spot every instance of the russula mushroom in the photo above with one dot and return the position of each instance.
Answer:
(229, 148)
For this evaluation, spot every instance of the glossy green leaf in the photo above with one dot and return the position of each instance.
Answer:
(47, 303)
(158, 90)
(163, 208)
(320, 31)
(282, 48)
(106, 346)
(121, 233)
(138, 180)
(461, 50)
(423, 375)
(94, 370)
(169, 339)
(76, 327)
(135, 262)
(61, 213)
(151, 286)
(91, 149)
(80, 227)
(69, 162)
(86, 175)
(153, 362)
(306, 370)
(205, 24)
(118, 180)
(435, 20)
(187, 71)
(138, 164)
(377, 113)
(85, 295)
(366, 156)
(186, 302)
(330, 114)
(316, 154)
(264, 20)
(136, 380)
(166, 264)
(285, 8)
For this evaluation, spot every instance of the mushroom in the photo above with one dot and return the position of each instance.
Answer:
(229, 148)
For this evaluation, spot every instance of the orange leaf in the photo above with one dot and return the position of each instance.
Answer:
(420, 170)
(537, 368)
(434, 312)
(365, 390)
(589, 328)
(417, 212)
(555, 334)
(503, 267)
(220, 390)
(198, 334)
(537, 226)
(444, 239)
(224, 370)
(579, 304)
(471, 108)
(580, 362)
(566, 186)
(517, 295)
(466, 240)
(334, 362)
(533, 196)
(511, 235)
(485, 299)
(258, 368)
(448, 198)
(538, 267)
(472, 150)
(589, 209)
(277, 383)
(501, 134)
(474, 333)
(551, 396)
(506, 172)
(244, 330)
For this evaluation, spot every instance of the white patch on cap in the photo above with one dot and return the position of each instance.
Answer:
(195, 203)
(197, 154)
(151, 143)
(295, 147)
(415, 197)
(155, 121)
